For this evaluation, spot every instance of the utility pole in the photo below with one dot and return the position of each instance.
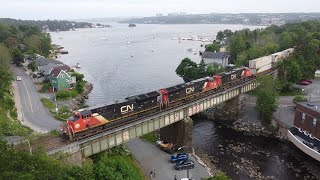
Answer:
(310, 93)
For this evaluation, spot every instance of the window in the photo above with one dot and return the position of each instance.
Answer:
(303, 117)
(314, 122)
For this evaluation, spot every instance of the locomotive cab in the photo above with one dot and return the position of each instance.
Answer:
(246, 72)
(79, 121)
(212, 83)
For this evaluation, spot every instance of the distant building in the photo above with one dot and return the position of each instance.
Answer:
(159, 15)
(317, 74)
(220, 58)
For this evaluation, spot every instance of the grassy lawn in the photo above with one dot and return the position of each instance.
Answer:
(150, 137)
(63, 111)
(292, 93)
(48, 103)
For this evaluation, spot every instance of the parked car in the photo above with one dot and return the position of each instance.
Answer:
(307, 80)
(179, 157)
(305, 83)
(188, 164)
(19, 78)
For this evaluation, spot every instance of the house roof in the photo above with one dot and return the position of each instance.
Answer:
(315, 106)
(214, 55)
(317, 72)
(56, 71)
(63, 67)
(42, 61)
(46, 69)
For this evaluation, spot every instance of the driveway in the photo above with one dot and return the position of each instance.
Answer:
(151, 157)
(31, 111)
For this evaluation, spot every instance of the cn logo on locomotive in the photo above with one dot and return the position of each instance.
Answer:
(189, 90)
(126, 109)
(233, 76)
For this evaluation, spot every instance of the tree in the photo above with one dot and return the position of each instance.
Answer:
(5, 56)
(237, 45)
(202, 69)
(220, 36)
(108, 168)
(214, 47)
(286, 40)
(32, 66)
(187, 68)
(267, 94)
(17, 56)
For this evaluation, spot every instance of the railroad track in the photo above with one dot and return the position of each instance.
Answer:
(56, 142)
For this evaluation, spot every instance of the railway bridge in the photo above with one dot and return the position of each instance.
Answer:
(108, 139)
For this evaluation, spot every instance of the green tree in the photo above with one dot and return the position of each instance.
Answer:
(32, 66)
(202, 70)
(119, 169)
(286, 40)
(267, 94)
(238, 44)
(187, 68)
(5, 56)
(214, 47)
(220, 36)
(17, 56)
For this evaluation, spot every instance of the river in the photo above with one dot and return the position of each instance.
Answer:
(105, 58)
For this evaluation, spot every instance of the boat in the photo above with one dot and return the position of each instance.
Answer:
(128, 42)
(132, 25)
(132, 55)
(78, 65)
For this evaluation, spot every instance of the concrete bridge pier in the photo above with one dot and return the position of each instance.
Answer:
(179, 133)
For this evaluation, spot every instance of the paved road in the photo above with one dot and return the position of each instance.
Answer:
(30, 109)
(285, 111)
(151, 157)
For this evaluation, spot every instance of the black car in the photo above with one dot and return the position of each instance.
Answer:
(189, 164)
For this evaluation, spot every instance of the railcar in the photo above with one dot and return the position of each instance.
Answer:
(90, 120)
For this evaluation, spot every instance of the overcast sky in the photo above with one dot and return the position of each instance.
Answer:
(77, 9)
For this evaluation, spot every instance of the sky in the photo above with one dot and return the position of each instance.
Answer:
(83, 9)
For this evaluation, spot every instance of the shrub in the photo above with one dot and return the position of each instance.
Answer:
(299, 99)
(66, 94)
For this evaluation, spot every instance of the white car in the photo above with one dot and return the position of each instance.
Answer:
(19, 78)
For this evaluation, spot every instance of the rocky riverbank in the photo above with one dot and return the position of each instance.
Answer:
(77, 102)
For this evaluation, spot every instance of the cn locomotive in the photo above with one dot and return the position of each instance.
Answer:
(94, 119)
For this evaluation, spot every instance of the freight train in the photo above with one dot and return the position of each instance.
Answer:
(95, 119)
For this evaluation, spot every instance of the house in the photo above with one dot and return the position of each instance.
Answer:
(220, 58)
(60, 79)
(317, 74)
(307, 118)
(46, 69)
(305, 133)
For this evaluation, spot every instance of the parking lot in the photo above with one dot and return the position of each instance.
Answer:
(151, 157)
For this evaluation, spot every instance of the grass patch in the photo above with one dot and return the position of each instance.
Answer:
(64, 95)
(48, 103)
(150, 137)
(292, 93)
(63, 111)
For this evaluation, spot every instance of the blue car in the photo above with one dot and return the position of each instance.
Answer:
(179, 157)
